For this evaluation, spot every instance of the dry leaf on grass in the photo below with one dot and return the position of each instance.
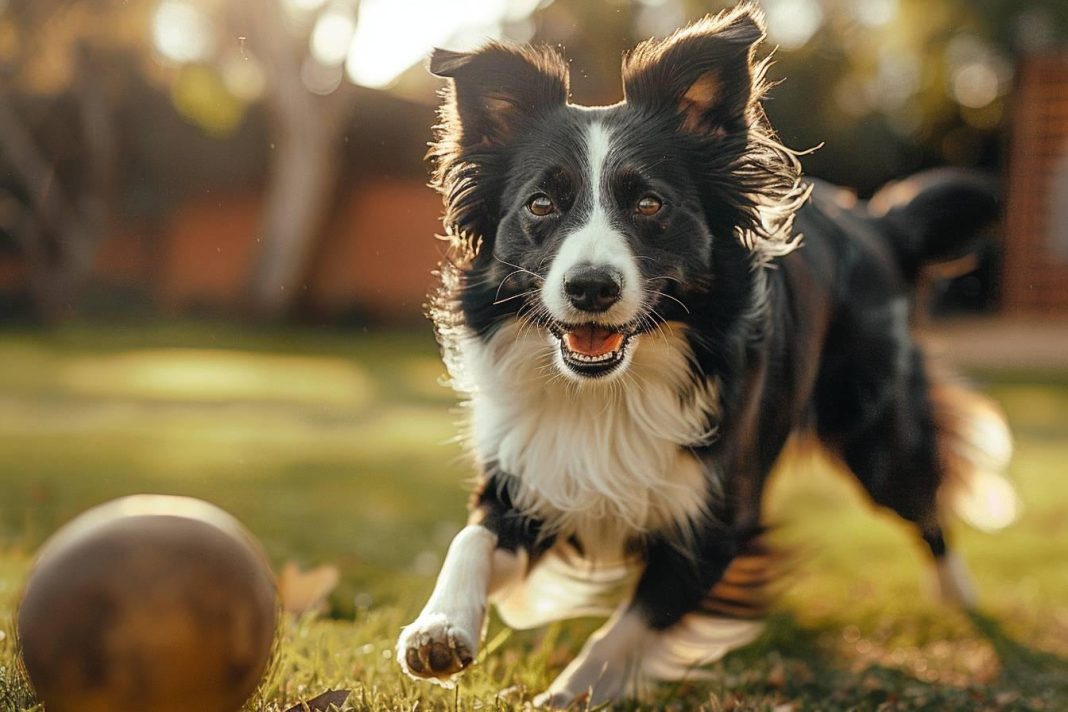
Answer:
(306, 591)
(323, 702)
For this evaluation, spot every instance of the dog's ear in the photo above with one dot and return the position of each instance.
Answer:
(704, 71)
(497, 87)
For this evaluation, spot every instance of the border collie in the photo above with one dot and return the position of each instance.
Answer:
(643, 303)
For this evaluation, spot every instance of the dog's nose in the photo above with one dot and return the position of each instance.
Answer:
(592, 289)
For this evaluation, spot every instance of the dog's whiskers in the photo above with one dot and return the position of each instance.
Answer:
(498, 300)
(500, 286)
(517, 268)
(674, 299)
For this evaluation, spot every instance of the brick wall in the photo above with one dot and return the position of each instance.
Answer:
(1035, 279)
(378, 253)
(375, 257)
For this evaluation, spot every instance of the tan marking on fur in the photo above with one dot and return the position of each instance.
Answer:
(697, 100)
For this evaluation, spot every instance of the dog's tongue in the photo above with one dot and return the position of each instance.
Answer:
(592, 340)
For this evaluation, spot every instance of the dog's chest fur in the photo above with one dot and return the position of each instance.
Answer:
(602, 461)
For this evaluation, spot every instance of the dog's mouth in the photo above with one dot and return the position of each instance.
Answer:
(592, 350)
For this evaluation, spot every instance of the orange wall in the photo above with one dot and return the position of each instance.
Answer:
(208, 252)
(380, 251)
(375, 256)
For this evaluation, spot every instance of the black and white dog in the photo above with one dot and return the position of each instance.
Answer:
(640, 327)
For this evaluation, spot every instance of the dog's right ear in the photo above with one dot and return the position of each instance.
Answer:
(497, 87)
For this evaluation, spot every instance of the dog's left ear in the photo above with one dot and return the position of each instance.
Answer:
(495, 88)
(704, 71)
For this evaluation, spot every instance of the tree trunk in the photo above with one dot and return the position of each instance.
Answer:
(60, 232)
(302, 183)
(306, 131)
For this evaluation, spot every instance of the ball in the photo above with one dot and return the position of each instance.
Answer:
(148, 603)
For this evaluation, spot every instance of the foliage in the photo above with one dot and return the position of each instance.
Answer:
(873, 82)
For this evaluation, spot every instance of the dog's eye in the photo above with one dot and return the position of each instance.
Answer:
(541, 205)
(649, 205)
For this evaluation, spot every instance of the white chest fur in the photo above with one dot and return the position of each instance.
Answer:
(595, 459)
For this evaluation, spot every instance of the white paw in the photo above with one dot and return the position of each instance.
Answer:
(433, 648)
(953, 583)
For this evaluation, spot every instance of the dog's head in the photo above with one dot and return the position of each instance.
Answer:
(597, 224)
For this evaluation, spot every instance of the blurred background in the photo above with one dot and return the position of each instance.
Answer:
(216, 242)
(263, 160)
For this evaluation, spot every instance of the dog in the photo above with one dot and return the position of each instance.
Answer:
(643, 304)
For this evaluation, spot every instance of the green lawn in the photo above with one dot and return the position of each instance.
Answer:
(337, 447)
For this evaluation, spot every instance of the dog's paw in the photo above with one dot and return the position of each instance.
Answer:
(583, 684)
(432, 648)
(550, 700)
(566, 698)
(952, 582)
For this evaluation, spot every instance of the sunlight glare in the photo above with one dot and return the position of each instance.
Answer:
(181, 32)
(305, 5)
(332, 35)
(214, 376)
(791, 23)
(977, 73)
(898, 78)
(875, 13)
(380, 52)
(975, 85)
(243, 77)
(319, 78)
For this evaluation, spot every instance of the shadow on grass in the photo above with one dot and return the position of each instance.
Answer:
(1022, 666)
(803, 665)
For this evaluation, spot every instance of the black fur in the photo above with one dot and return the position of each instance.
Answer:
(815, 338)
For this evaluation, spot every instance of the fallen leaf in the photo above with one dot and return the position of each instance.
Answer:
(1004, 699)
(731, 703)
(777, 676)
(304, 591)
(322, 702)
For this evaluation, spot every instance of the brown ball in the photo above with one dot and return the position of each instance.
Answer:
(148, 603)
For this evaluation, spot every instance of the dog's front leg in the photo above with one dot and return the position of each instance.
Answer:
(487, 554)
(443, 640)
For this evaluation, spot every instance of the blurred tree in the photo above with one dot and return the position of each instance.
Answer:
(275, 52)
(309, 106)
(884, 86)
(217, 56)
(60, 198)
(887, 86)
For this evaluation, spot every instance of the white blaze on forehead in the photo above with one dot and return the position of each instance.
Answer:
(598, 144)
(596, 242)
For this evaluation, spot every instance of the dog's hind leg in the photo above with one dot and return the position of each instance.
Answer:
(973, 448)
(951, 580)
(898, 447)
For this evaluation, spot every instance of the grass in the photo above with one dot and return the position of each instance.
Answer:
(337, 447)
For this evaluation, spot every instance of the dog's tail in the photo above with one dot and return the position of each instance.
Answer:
(974, 449)
(935, 216)
(938, 216)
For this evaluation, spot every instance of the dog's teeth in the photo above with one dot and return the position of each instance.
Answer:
(576, 357)
(593, 359)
